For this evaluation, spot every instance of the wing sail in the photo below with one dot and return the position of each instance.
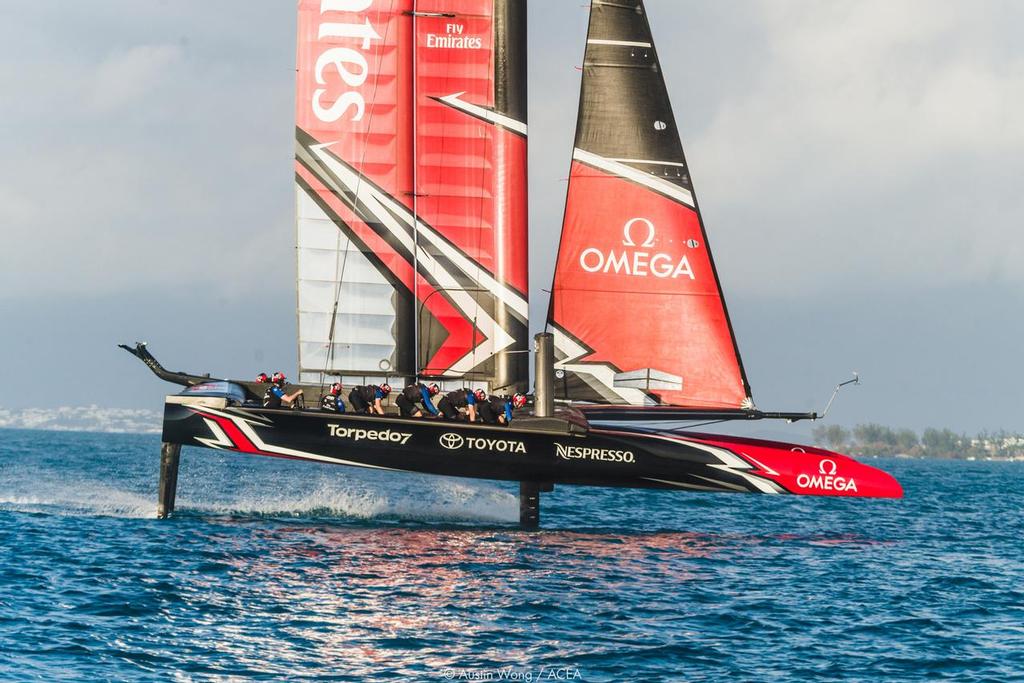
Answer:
(411, 175)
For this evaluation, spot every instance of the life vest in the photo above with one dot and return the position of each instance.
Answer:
(498, 404)
(458, 398)
(369, 393)
(329, 402)
(270, 398)
(413, 393)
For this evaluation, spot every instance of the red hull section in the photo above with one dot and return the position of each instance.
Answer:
(809, 471)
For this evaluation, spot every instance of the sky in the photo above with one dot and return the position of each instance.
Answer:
(858, 168)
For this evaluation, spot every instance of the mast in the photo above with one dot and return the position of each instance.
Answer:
(637, 307)
(510, 95)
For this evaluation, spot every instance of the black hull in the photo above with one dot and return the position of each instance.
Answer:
(547, 451)
(415, 445)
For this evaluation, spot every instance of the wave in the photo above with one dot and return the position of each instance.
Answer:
(91, 498)
(436, 501)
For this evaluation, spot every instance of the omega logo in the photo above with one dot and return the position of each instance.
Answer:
(826, 479)
(627, 237)
(634, 259)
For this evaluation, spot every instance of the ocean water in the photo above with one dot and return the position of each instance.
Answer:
(283, 570)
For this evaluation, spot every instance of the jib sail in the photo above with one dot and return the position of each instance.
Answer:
(636, 308)
(411, 184)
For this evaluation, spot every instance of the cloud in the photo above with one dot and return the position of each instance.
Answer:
(872, 142)
(126, 77)
(148, 163)
(15, 208)
(830, 141)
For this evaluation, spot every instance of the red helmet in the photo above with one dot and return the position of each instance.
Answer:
(262, 378)
(385, 388)
(518, 401)
(278, 378)
(433, 390)
(480, 394)
(336, 388)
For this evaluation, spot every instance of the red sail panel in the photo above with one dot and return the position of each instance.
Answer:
(637, 309)
(470, 181)
(635, 285)
(411, 145)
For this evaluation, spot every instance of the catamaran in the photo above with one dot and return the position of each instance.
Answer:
(411, 194)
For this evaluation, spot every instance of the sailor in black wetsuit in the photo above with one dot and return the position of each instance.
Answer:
(417, 393)
(275, 396)
(332, 400)
(461, 398)
(497, 410)
(368, 400)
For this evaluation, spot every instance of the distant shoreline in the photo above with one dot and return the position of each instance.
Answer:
(872, 439)
(90, 419)
(81, 430)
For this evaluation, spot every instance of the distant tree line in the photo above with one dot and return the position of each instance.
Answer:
(876, 439)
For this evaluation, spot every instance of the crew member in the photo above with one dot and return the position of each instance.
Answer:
(276, 396)
(461, 398)
(369, 400)
(417, 393)
(498, 409)
(332, 400)
(262, 378)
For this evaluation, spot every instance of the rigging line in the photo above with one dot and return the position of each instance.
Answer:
(329, 360)
(340, 276)
(488, 150)
(699, 424)
(417, 361)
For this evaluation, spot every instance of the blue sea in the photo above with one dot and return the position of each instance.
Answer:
(278, 570)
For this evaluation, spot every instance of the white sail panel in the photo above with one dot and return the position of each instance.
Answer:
(337, 283)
